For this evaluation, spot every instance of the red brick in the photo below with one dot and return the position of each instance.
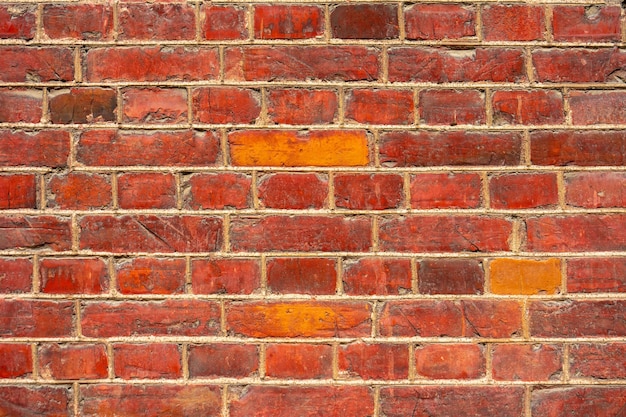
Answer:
(589, 275)
(40, 401)
(155, 105)
(18, 191)
(288, 22)
(585, 318)
(223, 360)
(151, 63)
(225, 105)
(49, 148)
(377, 276)
(365, 21)
(605, 361)
(451, 276)
(16, 361)
(519, 191)
(450, 148)
(450, 361)
(302, 275)
(596, 23)
(445, 190)
(440, 65)
(180, 148)
(149, 400)
(299, 361)
(368, 191)
(16, 275)
(299, 319)
(595, 189)
(223, 22)
(73, 361)
(578, 65)
(513, 22)
(92, 22)
(380, 106)
(79, 191)
(581, 233)
(374, 361)
(19, 105)
(21, 63)
(597, 107)
(278, 63)
(452, 107)
(150, 233)
(444, 234)
(83, 105)
(528, 107)
(526, 362)
(35, 232)
(444, 401)
(218, 191)
(17, 22)
(439, 21)
(151, 276)
(231, 276)
(73, 276)
(146, 190)
(578, 401)
(328, 401)
(436, 318)
(151, 361)
(152, 318)
(587, 148)
(293, 191)
(36, 318)
(300, 233)
(157, 22)
(302, 107)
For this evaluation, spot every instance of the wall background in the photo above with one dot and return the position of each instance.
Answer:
(301, 209)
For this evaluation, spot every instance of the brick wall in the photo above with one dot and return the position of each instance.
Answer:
(303, 209)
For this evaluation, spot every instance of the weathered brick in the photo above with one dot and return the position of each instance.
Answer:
(445, 190)
(22, 63)
(392, 107)
(595, 189)
(36, 318)
(302, 275)
(223, 22)
(223, 360)
(293, 190)
(218, 191)
(526, 362)
(368, 191)
(528, 107)
(523, 190)
(79, 191)
(300, 107)
(604, 361)
(586, 148)
(153, 318)
(452, 107)
(16, 275)
(119, 148)
(288, 22)
(450, 361)
(151, 361)
(230, 276)
(50, 148)
(519, 22)
(17, 22)
(450, 276)
(225, 105)
(19, 105)
(144, 190)
(83, 105)
(154, 105)
(364, 21)
(299, 319)
(377, 276)
(597, 107)
(150, 233)
(582, 318)
(440, 65)
(579, 65)
(373, 361)
(596, 23)
(300, 233)
(439, 21)
(73, 276)
(40, 401)
(579, 401)
(151, 276)
(591, 275)
(73, 361)
(156, 21)
(299, 361)
(92, 22)
(35, 232)
(16, 361)
(444, 234)
(18, 191)
(525, 276)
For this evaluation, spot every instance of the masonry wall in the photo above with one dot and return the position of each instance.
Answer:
(349, 209)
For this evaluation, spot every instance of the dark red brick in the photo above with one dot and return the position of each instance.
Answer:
(16, 361)
(19, 105)
(40, 401)
(586, 148)
(223, 360)
(577, 318)
(526, 362)
(83, 105)
(391, 107)
(302, 275)
(18, 191)
(578, 401)
(297, 107)
(445, 190)
(92, 22)
(519, 22)
(520, 191)
(439, 21)
(374, 361)
(49, 148)
(150, 361)
(597, 107)
(73, 276)
(156, 22)
(364, 21)
(595, 189)
(377, 276)
(36, 318)
(605, 361)
(597, 23)
(16, 275)
(151, 276)
(155, 105)
(73, 361)
(528, 107)
(223, 22)
(35, 232)
(451, 276)
(218, 191)
(450, 361)
(368, 191)
(579, 65)
(452, 107)
(145, 190)
(230, 276)
(276, 21)
(293, 190)
(225, 105)
(17, 22)
(22, 63)
(591, 275)
(299, 361)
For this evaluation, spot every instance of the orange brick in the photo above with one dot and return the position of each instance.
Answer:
(525, 276)
(291, 148)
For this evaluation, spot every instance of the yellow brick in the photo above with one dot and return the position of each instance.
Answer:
(526, 277)
(291, 148)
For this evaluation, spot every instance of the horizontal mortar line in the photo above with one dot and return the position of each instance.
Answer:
(573, 2)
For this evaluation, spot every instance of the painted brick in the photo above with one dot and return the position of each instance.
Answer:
(223, 360)
(368, 191)
(592, 24)
(377, 276)
(392, 107)
(450, 276)
(79, 191)
(16, 361)
(439, 21)
(18, 191)
(150, 276)
(92, 22)
(445, 190)
(50, 148)
(17, 22)
(36, 318)
(154, 105)
(45, 401)
(518, 22)
(597, 107)
(20, 64)
(577, 318)
(147, 361)
(146, 190)
(230, 276)
(298, 107)
(299, 361)
(156, 22)
(288, 22)
(521, 191)
(528, 107)
(73, 361)
(450, 361)
(585, 148)
(293, 191)
(595, 189)
(73, 276)
(525, 276)
(16, 275)
(452, 107)
(589, 275)
(526, 362)
(225, 105)
(374, 361)
(302, 275)
(604, 361)
(223, 22)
